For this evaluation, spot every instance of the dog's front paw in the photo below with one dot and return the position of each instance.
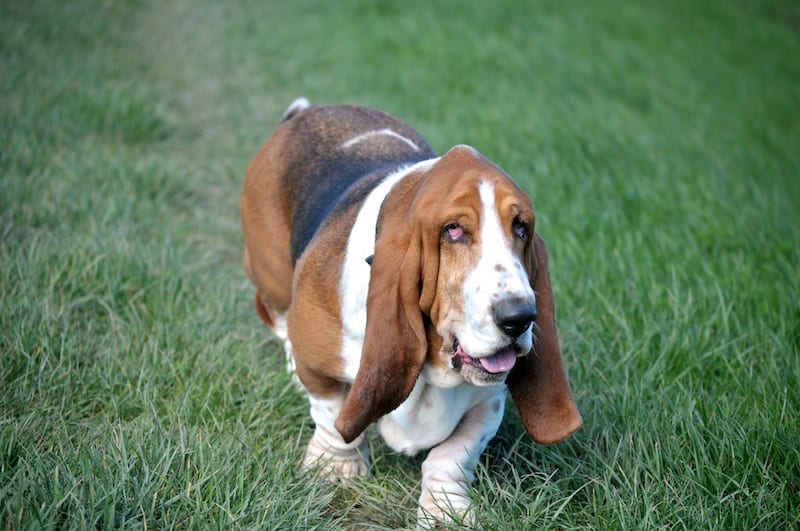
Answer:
(337, 468)
(334, 463)
(446, 509)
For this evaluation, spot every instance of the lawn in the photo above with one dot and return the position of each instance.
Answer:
(660, 142)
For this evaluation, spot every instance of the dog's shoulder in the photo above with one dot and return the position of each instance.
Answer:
(336, 156)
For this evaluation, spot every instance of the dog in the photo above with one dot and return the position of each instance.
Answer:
(409, 289)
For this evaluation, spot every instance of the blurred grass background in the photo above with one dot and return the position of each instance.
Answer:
(660, 142)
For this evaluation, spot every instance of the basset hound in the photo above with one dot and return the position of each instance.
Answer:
(410, 291)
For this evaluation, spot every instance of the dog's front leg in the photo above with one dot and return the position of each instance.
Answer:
(450, 467)
(327, 451)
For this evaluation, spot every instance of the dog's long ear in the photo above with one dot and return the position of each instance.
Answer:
(395, 344)
(538, 382)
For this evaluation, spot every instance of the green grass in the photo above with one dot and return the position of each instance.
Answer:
(659, 140)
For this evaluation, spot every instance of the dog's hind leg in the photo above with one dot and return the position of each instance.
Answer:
(276, 321)
(282, 333)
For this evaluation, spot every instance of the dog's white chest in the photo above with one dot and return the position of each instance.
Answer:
(430, 414)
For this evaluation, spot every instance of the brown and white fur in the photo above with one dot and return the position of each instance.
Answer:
(410, 291)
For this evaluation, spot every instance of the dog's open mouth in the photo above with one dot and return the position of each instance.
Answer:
(501, 361)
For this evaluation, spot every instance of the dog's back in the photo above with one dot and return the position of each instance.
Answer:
(319, 161)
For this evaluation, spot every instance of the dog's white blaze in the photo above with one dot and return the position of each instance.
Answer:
(498, 275)
(380, 132)
(354, 284)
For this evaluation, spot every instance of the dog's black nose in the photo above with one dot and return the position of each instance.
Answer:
(514, 317)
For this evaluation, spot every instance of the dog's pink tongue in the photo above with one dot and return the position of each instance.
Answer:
(501, 362)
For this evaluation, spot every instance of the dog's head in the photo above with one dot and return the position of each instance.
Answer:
(460, 289)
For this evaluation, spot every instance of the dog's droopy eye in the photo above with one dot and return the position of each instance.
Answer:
(454, 232)
(520, 229)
